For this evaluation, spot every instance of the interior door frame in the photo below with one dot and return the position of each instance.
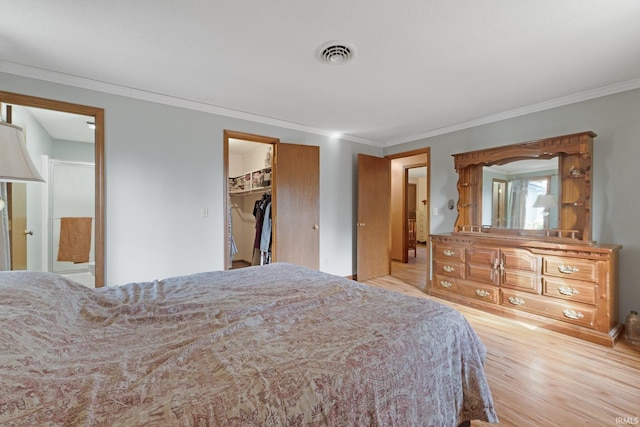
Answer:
(98, 115)
(405, 169)
(230, 134)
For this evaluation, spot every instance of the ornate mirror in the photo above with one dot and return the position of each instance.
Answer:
(536, 189)
(521, 194)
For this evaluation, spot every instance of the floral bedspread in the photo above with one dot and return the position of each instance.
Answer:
(275, 345)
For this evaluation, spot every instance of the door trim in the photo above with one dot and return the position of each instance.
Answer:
(427, 164)
(98, 115)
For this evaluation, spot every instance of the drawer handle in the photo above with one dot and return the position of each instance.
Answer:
(567, 269)
(445, 284)
(572, 314)
(565, 290)
(516, 301)
(448, 268)
(482, 293)
(448, 252)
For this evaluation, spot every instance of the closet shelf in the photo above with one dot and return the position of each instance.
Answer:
(251, 191)
(257, 180)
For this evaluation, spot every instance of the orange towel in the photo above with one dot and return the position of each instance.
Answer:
(75, 239)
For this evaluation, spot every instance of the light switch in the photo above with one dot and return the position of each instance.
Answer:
(435, 211)
(204, 212)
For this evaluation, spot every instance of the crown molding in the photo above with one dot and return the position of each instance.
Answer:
(542, 106)
(113, 89)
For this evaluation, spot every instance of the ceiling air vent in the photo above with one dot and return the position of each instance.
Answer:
(335, 52)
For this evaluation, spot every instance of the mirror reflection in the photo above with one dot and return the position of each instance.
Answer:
(521, 195)
(50, 226)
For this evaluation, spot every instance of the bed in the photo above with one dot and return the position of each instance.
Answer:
(273, 345)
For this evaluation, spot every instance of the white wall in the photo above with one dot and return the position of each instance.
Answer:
(616, 155)
(39, 144)
(154, 152)
(164, 163)
(73, 151)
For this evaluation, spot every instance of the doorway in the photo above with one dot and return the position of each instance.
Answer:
(295, 200)
(383, 213)
(410, 219)
(249, 177)
(498, 203)
(31, 113)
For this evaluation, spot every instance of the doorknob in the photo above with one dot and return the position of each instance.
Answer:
(29, 232)
(360, 224)
(316, 226)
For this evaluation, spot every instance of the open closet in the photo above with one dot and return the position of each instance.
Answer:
(255, 168)
(249, 186)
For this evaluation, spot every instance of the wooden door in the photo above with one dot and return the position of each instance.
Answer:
(374, 193)
(296, 215)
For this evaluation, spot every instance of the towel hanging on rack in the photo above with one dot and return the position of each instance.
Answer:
(75, 239)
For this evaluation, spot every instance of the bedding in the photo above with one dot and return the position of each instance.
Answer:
(273, 345)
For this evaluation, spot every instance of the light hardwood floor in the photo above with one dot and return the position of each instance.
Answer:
(540, 378)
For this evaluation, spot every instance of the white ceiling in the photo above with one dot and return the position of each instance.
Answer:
(524, 166)
(422, 67)
(65, 126)
(241, 147)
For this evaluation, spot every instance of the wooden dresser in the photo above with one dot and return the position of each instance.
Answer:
(522, 244)
(569, 288)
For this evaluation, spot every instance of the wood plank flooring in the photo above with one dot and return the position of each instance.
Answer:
(541, 378)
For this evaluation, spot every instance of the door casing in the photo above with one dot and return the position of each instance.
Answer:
(98, 115)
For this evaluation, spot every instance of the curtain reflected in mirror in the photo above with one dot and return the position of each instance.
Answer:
(510, 193)
(523, 195)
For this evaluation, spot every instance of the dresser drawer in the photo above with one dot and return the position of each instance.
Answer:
(571, 268)
(522, 280)
(449, 268)
(470, 290)
(444, 283)
(572, 290)
(480, 292)
(576, 313)
(448, 252)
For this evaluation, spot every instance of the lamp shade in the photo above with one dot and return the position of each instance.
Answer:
(15, 162)
(545, 201)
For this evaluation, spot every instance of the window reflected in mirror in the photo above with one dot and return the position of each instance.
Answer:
(521, 195)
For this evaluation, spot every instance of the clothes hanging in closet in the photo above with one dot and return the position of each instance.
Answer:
(262, 240)
(233, 249)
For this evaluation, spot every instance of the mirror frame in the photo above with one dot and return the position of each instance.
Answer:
(574, 153)
(98, 114)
